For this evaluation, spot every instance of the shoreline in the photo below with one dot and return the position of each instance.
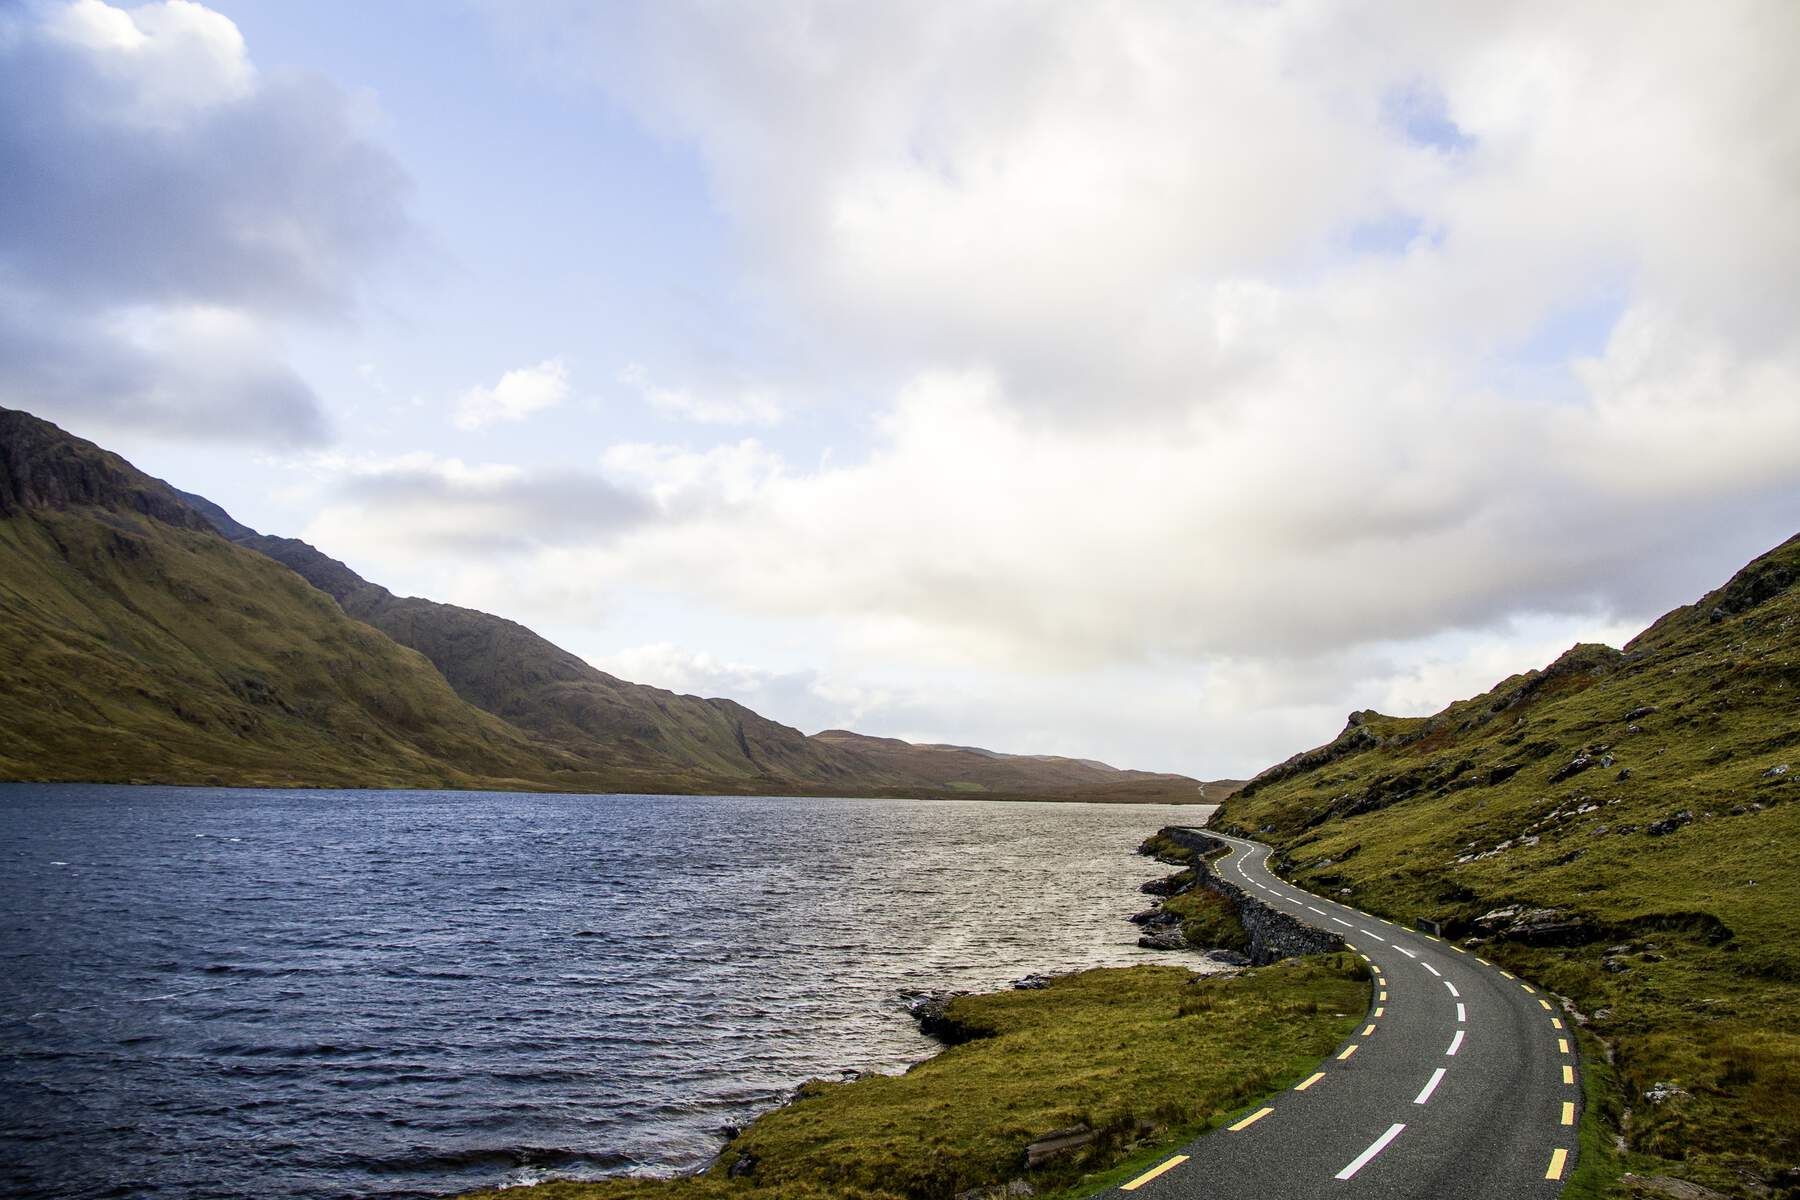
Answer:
(1023, 1095)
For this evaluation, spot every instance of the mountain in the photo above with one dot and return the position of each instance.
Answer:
(1620, 827)
(135, 643)
(155, 637)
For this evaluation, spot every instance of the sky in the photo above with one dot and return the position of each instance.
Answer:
(1147, 382)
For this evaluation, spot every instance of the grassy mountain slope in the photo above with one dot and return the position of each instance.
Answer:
(149, 636)
(1621, 826)
(137, 644)
(502, 667)
(506, 669)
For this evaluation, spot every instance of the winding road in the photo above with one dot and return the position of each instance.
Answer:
(1461, 1083)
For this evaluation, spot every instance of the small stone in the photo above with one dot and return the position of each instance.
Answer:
(1776, 772)
(1659, 1093)
(1644, 711)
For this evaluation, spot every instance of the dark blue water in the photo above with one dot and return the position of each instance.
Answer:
(216, 993)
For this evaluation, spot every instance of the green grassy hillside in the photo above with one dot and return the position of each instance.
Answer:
(131, 649)
(148, 636)
(1621, 826)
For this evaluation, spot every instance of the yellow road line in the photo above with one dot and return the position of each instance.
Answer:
(1484, 962)
(1348, 1051)
(1508, 975)
(1379, 1011)
(1152, 1173)
(1568, 1073)
(1308, 1082)
(1562, 1045)
(1383, 996)
(1568, 1116)
(1368, 1031)
(1457, 948)
(1252, 1119)
(1557, 1159)
(1529, 988)
(1556, 1022)
(1545, 1003)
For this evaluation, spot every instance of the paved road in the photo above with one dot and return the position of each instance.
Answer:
(1460, 1084)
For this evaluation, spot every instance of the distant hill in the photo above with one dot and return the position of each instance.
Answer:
(111, 600)
(1622, 827)
(975, 771)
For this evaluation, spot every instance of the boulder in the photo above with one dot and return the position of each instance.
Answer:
(1164, 939)
(1670, 824)
(1228, 958)
(1573, 767)
(1664, 1185)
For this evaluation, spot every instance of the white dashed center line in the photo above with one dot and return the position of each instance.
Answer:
(1437, 1077)
(1342, 922)
(1320, 911)
(1455, 1043)
(1362, 1160)
(1462, 1014)
(1453, 990)
(1405, 951)
(1372, 934)
(1432, 969)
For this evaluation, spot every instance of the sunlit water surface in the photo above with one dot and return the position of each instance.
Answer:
(220, 993)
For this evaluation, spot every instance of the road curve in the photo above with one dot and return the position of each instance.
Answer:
(1461, 1083)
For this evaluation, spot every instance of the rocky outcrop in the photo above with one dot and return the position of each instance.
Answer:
(1355, 738)
(1536, 926)
(42, 467)
(1274, 935)
(932, 1011)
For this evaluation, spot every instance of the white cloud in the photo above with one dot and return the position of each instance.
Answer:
(677, 477)
(167, 208)
(520, 393)
(171, 60)
(1267, 361)
(747, 405)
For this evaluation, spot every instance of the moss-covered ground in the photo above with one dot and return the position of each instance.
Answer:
(1143, 1056)
(1641, 796)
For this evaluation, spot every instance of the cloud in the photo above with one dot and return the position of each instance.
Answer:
(157, 180)
(519, 394)
(1226, 359)
(687, 481)
(411, 507)
(746, 406)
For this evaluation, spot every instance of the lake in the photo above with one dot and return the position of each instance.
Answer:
(217, 992)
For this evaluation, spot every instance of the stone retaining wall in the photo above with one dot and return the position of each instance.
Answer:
(1274, 935)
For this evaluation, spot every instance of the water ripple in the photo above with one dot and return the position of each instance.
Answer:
(214, 993)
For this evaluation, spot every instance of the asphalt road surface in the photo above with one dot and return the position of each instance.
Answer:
(1460, 1083)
